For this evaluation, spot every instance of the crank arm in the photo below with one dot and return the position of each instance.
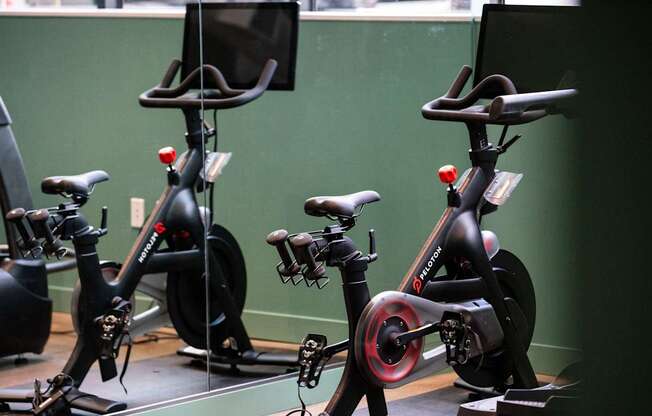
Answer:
(405, 338)
(333, 349)
(426, 317)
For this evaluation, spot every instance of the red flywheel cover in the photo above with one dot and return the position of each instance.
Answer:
(372, 355)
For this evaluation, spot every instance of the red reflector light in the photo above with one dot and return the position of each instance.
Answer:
(447, 174)
(167, 155)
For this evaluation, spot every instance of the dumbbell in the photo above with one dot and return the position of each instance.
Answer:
(301, 245)
(287, 267)
(39, 220)
(15, 217)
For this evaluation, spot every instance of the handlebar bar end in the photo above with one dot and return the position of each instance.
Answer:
(460, 81)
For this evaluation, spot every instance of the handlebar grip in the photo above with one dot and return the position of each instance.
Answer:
(267, 74)
(302, 243)
(451, 108)
(277, 239)
(15, 216)
(459, 83)
(170, 73)
(506, 106)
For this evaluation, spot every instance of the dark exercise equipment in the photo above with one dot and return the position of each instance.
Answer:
(477, 297)
(101, 302)
(25, 308)
(559, 398)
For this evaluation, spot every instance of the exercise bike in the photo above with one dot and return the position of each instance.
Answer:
(101, 306)
(478, 297)
(25, 308)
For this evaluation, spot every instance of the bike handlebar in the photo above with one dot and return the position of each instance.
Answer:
(163, 96)
(508, 108)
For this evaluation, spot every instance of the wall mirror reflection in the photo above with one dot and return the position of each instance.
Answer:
(163, 319)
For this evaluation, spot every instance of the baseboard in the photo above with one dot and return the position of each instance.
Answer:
(292, 328)
(551, 359)
(546, 359)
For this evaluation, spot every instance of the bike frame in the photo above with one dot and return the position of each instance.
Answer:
(456, 234)
(176, 211)
(14, 188)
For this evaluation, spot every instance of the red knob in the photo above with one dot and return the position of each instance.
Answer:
(447, 174)
(167, 155)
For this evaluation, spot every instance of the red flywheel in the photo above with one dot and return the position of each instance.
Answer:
(378, 357)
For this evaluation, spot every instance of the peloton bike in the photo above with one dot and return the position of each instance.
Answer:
(102, 306)
(478, 297)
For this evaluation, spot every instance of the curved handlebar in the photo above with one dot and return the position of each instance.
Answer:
(163, 96)
(508, 108)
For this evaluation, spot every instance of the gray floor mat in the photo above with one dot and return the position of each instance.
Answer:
(442, 402)
(168, 377)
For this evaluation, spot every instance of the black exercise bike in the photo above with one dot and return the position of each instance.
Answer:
(478, 297)
(171, 242)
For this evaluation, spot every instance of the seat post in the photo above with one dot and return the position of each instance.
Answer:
(194, 126)
(482, 153)
(352, 386)
(478, 136)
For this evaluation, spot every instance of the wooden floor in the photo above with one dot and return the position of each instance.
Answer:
(150, 362)
(63, 337)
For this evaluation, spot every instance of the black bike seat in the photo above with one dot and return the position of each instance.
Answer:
(81, 185)
(339, 206)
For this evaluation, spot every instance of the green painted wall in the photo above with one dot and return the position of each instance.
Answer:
(353, 123)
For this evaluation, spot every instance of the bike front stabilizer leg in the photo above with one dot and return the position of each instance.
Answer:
(351, 389)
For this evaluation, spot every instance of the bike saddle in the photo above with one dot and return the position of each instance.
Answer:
(76, 185)
(339, 206)
(507, 107)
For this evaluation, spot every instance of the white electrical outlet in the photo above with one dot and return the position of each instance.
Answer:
(137, 212)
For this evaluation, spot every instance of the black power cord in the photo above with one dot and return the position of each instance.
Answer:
(302, 411)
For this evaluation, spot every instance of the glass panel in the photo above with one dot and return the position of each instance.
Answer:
(247, 49)
(393, 6)
(383, 7)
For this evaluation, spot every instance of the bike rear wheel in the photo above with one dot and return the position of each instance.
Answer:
(186, 293)
(494, 369)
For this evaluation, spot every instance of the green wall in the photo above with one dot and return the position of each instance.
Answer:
(71, 85)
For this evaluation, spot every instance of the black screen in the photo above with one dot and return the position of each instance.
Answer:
(534, 46)
(239, 38)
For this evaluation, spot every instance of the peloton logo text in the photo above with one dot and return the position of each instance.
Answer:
(417, 282)
(159, 229)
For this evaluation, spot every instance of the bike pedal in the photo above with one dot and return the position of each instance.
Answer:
(456, 336)
(311, 360)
